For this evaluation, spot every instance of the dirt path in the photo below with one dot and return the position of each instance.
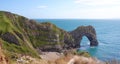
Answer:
(50, 56)
(84, 60)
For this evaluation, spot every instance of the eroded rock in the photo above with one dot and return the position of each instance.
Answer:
(87, 31)
(10, 38)
(43, 36)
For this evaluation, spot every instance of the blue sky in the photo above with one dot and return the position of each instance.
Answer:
(60, 9)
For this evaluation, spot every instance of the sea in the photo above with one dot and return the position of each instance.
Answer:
(108, 35)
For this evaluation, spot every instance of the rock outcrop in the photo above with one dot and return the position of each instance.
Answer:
(25, 36)
(9, 37)
(30, 35)
(87, 31)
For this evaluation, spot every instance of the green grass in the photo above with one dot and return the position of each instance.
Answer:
(12, 48)
(5, 24)
(82, 53)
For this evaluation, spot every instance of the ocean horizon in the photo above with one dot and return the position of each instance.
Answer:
(108, 35)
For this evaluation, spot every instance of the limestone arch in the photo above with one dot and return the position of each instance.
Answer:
(87, 31)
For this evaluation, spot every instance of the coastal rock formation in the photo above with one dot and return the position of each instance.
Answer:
(28, 37)
(87, 31)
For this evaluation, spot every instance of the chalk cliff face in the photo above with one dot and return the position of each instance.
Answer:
(24, 36)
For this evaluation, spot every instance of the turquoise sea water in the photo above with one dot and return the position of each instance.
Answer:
(108, 35)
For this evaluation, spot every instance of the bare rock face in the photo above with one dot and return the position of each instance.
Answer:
(9, 37)
(87, 31)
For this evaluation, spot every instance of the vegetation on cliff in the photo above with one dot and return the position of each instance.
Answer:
(21, 35)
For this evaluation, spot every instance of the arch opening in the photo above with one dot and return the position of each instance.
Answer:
(91, 38)
(84, 42)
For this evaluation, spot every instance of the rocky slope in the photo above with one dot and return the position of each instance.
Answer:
(24, 36)
(20, 35)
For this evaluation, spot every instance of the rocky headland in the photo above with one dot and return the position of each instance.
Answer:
(23, 37)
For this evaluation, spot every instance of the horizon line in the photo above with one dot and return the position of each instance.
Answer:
(77, 18)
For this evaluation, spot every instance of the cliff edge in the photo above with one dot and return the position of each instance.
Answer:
(20, 35)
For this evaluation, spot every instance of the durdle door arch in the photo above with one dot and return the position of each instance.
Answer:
(87, 31)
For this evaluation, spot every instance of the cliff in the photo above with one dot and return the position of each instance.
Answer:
(24, 36)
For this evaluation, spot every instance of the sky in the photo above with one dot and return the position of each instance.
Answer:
(63, 9)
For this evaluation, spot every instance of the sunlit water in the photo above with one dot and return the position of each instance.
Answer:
(108, 35)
